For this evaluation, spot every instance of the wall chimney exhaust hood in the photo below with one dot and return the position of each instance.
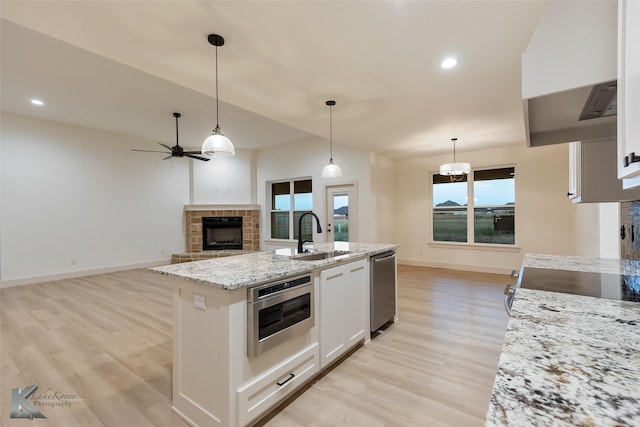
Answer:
(569, 73)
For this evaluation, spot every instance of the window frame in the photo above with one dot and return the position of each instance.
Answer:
(470, 211)
(291, 211)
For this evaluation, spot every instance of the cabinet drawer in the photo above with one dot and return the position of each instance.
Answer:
(261, 394)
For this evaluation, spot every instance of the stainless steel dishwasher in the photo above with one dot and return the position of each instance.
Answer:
(383, 289)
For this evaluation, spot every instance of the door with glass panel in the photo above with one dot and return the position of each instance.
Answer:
(342, 214)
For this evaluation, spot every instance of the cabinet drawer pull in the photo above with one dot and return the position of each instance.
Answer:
(287, 380)
(631, 158)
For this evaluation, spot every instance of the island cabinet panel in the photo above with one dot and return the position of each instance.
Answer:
(215, 383)
(201, 358)
(344, 309)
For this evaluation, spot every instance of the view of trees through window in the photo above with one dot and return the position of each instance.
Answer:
(289, 200)
(480, 208)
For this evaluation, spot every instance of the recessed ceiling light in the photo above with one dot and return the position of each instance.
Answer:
(37, 102)
(449, 62)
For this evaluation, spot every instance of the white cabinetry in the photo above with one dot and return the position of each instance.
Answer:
(592, 173)
(344, 309)
(215, 383)
(629, 92)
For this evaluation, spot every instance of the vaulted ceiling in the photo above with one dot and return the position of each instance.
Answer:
(125, 66)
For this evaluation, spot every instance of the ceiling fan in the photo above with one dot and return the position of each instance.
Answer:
(177, 150)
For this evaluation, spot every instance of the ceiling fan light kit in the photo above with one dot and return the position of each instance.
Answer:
(331, 170)
(217, 144)
(456, 170)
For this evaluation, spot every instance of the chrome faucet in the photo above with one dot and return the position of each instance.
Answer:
(300, 241)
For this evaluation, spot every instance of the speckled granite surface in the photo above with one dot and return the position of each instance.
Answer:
(569, 360)
(248, 270)
(575, 263)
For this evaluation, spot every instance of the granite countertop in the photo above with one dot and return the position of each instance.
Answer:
(252, 269)
(576, 263)
(569, 360)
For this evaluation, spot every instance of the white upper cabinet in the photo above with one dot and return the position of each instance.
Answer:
(629, 92)
(592, 173)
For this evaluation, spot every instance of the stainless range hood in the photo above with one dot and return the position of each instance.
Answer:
(579, 114)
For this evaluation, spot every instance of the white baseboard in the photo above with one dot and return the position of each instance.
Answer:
(79, 273)
(452, 266)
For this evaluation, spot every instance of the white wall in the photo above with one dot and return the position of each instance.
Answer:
(306, 159)
(383, 202)
(545, 218)
(77, 200)
(226, 180)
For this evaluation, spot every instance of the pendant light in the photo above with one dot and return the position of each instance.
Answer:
(331, 170)
(216, 144)
(455, 171)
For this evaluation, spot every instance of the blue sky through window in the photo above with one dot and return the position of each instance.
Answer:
(486, 193)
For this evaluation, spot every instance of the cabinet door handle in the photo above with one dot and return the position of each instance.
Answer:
(569, 194)
(291, 376)
(509, 292)
(631, 158)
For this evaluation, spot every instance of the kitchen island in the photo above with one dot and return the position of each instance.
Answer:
(569, 360)
(224, 373)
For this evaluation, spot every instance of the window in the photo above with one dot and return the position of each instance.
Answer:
(289, 200)
(480, 208)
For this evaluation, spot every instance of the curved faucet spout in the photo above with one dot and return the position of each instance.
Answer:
(318, 229)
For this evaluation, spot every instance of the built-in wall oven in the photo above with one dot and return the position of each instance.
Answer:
(278, 311)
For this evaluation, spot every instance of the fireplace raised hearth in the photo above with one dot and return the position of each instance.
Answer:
(220, 233)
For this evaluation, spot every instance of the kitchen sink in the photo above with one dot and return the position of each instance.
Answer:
(316, 256)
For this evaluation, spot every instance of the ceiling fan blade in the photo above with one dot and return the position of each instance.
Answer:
(149, 151)
(168, 157)
(166, 146)
(192, 152)
(204, 159)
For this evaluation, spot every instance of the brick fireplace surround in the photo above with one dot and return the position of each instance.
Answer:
(193, 215)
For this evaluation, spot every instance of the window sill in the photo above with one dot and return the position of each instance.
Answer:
(474, 246)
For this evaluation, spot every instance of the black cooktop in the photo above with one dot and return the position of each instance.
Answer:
(602, 285)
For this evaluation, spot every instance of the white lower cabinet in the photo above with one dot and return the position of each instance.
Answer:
(263, 392)
(215, 383)
(344, 309)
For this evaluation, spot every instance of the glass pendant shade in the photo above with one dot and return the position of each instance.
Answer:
(331, 170)
(455, 169)
(218, 145)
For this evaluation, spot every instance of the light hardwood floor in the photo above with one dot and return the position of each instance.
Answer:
(107, 340)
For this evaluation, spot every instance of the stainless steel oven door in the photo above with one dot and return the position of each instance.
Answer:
(285, 310)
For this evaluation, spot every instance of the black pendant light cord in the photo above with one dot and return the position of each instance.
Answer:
(330, 133)
(454, 149)
(176, 115)
(217, 106)
(331, 104)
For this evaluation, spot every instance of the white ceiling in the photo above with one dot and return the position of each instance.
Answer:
(125, 66)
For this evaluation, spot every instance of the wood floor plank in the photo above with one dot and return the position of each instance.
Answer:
(108, 339)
